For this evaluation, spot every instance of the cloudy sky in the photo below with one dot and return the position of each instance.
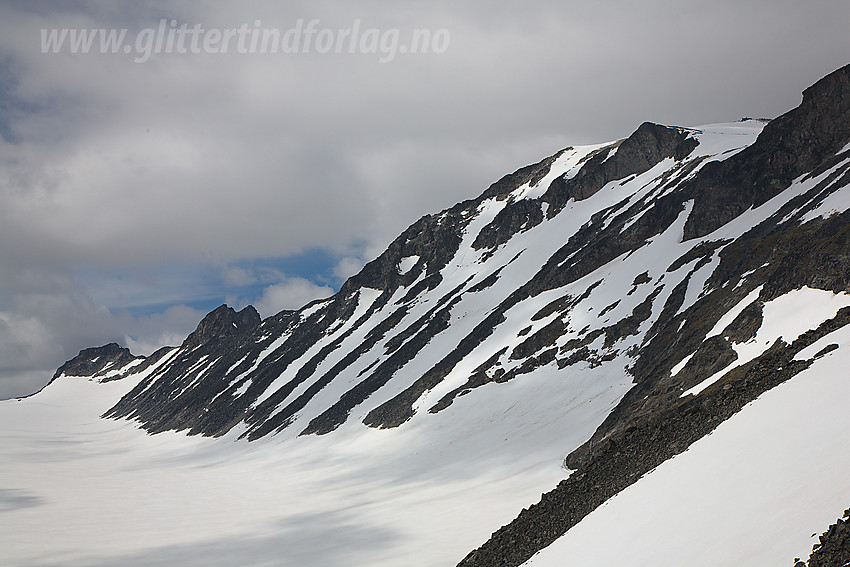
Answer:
(142, 188)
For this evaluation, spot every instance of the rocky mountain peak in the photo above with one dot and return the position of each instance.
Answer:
(91, 361)
(803, 140)
(221, 323)
(651, 143)
(818, 128)
(642, 150)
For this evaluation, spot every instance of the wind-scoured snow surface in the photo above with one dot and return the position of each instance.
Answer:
(433, 398)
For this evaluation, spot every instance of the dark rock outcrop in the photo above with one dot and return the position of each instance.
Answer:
(222, 323)
(791, 145)
(91, 362)
(646, 147)
(833, 547)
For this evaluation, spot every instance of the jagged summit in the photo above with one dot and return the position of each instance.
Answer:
(221, 323)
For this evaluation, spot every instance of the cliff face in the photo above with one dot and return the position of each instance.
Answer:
(802, 141)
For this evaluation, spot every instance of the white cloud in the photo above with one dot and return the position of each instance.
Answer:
(347, 267)
(40, 331)
(236, 276)
(168, 328)
(292, 293)
(146, 345)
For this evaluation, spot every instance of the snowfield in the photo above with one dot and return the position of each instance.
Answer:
(81, 491)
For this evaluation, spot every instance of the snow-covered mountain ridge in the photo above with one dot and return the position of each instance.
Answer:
(604, 309)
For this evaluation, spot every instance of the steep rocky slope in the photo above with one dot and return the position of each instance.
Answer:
(804, 154)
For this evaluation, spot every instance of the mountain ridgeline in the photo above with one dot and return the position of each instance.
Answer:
(645, 262)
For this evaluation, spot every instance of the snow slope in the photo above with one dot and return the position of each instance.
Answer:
(755, 492)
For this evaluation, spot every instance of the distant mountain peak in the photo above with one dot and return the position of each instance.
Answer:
(92, 362)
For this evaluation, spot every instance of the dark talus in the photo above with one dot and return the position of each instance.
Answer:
(620, 460)
(833, 547)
